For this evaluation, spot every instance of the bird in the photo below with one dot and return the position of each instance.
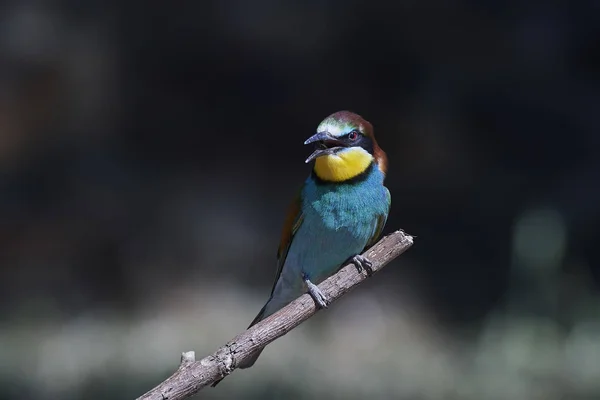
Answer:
(339, 212)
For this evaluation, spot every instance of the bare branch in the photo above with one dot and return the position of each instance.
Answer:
(192, 376)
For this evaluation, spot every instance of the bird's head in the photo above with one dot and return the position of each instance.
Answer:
(345, 147)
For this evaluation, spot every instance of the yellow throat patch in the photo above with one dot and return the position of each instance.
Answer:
(344, 165)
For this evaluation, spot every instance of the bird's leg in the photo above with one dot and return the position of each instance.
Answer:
(361, 263)
(315, 293)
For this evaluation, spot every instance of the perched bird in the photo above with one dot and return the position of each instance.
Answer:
(339, 212)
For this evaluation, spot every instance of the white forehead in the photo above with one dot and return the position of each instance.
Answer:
(335, 128)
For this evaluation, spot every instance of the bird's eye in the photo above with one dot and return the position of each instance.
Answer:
(353, 135)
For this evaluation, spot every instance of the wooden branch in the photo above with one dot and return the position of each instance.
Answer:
(192, 375)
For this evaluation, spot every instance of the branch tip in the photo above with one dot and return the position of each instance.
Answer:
(188, 357)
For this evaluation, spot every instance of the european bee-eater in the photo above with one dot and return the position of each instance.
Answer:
(339, 212)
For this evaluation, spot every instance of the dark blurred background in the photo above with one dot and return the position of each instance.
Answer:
(149, 150)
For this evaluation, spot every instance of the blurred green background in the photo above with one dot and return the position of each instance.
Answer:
(148, 152)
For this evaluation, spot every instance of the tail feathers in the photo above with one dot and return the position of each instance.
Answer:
(260, 316)
(250, 362)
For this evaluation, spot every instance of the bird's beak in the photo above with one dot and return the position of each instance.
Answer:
(325, 144)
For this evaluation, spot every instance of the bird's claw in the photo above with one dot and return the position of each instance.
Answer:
(316, 293)
(362, 262)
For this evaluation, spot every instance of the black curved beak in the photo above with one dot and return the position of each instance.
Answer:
(326, 144)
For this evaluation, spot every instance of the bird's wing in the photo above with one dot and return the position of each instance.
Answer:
(381, 220)
(290, 227)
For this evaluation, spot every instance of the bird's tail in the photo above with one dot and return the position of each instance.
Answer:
(247, 364)
(261, 315)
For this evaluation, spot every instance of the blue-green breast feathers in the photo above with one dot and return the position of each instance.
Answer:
(330, 222)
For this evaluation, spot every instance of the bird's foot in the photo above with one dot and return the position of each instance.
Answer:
(362, 262)
(314, 291)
